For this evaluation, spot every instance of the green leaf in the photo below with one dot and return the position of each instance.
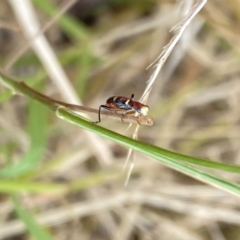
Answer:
(69, 25)
(5, 96)
(37, 124)
(26, 164)
(13, 186)
(37, 129)
(31, 224)
(171, 159)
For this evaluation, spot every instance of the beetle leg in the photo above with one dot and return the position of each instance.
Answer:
(138, 118)
(122, 118)
(121, 114)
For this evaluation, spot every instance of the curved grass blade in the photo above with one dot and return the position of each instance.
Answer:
(32, 226)
(17, 186)
(171, 159)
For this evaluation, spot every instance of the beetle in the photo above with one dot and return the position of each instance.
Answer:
(123, 104)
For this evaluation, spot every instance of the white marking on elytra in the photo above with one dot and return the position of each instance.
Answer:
(127, 101)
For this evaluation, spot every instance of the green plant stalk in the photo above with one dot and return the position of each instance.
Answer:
(169, 158)
(32, 226)
(68, 24)
(143, 147)
(24, 89)
(13, 186)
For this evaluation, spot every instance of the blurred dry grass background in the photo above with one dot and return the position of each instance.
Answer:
(195, 106)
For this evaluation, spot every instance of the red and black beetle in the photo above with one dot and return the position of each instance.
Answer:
(124, 104)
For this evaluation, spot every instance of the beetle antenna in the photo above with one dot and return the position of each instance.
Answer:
(132, 96)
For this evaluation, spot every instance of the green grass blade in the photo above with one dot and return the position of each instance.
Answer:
(169, 158)
(144, 147)
(26, 164)
(69, 25)
(37, 125)
(177, 161)
(37, 129)
(32, 226)
(4, 96)
(16, 186)
(203, 176)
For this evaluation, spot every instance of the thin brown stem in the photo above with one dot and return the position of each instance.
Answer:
(21, 87)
